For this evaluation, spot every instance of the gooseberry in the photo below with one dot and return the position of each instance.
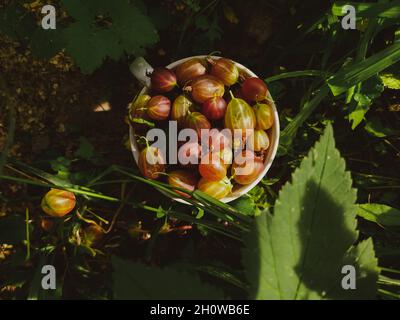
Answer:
(158, 108)
(163, 80)
(216, 189)
(58, 203)
(151, 162)
(254, 89)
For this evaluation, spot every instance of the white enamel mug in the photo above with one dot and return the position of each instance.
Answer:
(140, 69)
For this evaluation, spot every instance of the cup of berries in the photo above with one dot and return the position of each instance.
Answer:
(203, 123)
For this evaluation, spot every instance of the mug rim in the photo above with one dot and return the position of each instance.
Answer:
(272, 150)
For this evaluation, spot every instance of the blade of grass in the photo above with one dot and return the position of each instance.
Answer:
(295, 74)
(309, 106)
(28, 240)
(366, 39)
(390, 270)
(388, 281)
(360, 71)
(369, 10)
(93, 194)
(41, 174)
(216, 206)
(184, 217)
(223, 274)
(345, 79)
(48, 185)
(389, 294)
(203, 197)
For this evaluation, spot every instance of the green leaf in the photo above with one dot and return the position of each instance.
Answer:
(85, 45)
(78, 9)
(47, 43)
(375, 127)
(16, 22)
(193, 5)
(161, 212)
(85, 150)
(295, 74)
(55, 180)
(246, 205)
(358, 72)
(200, 213)
(357, 115)
(61, 165)
(391, 81)
(133, 27)
(372, 87)
(299, 252)
(369, 90)
(379, 213)
(130, 31)
(137, 281)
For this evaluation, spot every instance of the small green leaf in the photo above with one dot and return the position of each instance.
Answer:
(246, 205)
(375, 127)
(160, 212)
(391, 81)
(85, 150)
(299, 252)
(143, 121)
(138, 281)
(358, 114)
(200, 213)
(379, 213)
(364, 97)
(61, 166)
(193, 5)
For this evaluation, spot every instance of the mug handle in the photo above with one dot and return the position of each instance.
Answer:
(140, 68)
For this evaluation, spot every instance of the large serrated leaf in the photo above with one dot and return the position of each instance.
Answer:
(89, 44)
(299, 252)
(138, 281)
